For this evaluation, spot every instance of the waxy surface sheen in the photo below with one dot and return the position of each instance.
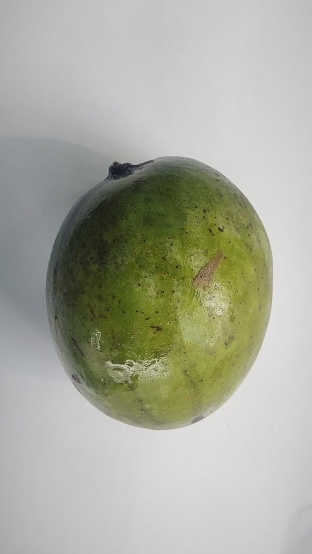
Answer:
(159, 292)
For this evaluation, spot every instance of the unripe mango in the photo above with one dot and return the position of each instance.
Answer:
(159, 292)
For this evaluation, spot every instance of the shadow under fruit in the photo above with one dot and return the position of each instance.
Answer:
(159, 291)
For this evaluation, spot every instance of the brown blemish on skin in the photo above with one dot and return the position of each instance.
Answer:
(205, 275)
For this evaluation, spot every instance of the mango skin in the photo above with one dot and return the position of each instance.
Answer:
(159, 290)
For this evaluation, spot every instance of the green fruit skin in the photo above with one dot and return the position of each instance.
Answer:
(141, 338)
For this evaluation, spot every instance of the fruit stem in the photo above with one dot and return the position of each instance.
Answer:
(118, 170)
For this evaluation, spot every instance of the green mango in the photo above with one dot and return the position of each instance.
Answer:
(159, 290)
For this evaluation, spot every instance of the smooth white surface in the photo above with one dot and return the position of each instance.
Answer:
(82, 84)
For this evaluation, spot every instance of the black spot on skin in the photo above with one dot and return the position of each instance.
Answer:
(75, 343)
(221, 228)
(75, 378)
(54, 279)
(156, 327)
(91, 311)
(197, 418)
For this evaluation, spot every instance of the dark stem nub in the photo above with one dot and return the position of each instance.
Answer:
(117, 170)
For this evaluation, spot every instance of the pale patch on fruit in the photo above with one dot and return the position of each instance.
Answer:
(216, 301)
(124, 373)
(193, 335)
(209, 314)
(196, 258)
(96, 339)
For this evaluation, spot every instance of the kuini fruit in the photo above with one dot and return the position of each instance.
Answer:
(159, 292)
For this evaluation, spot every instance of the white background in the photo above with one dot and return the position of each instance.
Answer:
(227, 82)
